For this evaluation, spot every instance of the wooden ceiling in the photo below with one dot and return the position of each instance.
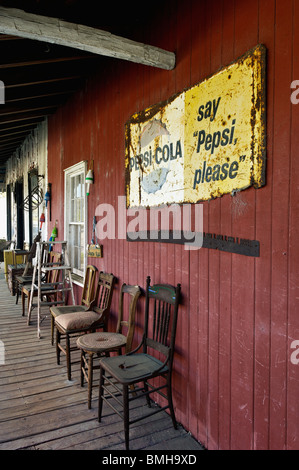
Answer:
(39, 77)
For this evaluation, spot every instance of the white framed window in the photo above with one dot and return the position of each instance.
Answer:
(75, 216)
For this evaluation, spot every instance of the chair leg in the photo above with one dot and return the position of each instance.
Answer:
(126, 414)
(23, 304)
(148, 401)
(17, 292)
(90, 378)
(101, 391)
(82, 368)
(58, 336)
(68, 357)
(171, 409)
(52, 330)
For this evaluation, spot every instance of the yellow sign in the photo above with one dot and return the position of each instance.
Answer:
(204, 143)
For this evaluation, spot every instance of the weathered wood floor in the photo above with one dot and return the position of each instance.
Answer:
(41, 409)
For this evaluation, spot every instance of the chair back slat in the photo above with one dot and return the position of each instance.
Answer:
(133, 292)
(161, 321)
(104, 295)
(54, 258)
(88, 291)
(161, 309)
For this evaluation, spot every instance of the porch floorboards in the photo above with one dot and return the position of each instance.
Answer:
(41, 409)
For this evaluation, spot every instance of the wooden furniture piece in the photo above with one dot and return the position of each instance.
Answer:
(119, 373)
(8, 257)
(26, 277)
(54, 291)
(4, 245)
(16, 268)
(87, 299)
(50, 282)
(77, 323)
(102, 343)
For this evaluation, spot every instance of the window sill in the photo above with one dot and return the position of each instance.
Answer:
(78, 280)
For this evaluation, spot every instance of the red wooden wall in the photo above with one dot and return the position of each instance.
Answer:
(234, 384)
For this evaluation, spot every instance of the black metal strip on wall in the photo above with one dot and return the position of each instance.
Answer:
(211, 241)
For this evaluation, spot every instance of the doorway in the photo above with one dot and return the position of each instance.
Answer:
(19, 198)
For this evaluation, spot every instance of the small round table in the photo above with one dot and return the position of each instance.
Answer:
(100, 343)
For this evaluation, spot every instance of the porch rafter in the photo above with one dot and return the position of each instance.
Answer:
(53, 30)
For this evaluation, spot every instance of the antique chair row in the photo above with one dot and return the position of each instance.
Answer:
(133, 373)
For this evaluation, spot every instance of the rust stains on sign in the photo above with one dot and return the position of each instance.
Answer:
(202, 143)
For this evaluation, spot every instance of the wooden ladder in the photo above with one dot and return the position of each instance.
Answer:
(41, 267)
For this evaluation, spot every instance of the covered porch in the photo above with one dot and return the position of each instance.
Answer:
(41, 409)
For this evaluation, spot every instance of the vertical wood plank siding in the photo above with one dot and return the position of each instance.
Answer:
(234, 384)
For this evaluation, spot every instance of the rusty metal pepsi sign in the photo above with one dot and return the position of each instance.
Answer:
(202, 143)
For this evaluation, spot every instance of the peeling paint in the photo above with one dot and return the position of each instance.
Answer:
(203, 143)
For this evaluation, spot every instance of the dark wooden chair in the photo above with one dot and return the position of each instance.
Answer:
(26, 277)
(74, 324)
(103, 343)
(50, 281)
(17, 268)
(119, 373)
(87, 299)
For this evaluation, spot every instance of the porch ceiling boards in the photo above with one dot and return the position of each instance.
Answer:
(41, 409)
(40, 76)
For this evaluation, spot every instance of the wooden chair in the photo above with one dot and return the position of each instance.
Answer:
(74, 324)
(87, 299)
(119, 373)
(51, 280)
(19, 263)
(103, 343)
(26, 277)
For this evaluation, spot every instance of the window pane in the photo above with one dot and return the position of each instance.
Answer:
(77, 246)
(75, 200)
(82, 209)
(82, 247)
(78, 214)
(72, 214)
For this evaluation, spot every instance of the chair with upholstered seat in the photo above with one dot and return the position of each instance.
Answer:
(119, 373)
(76, 323)
(87, 299)
(103, 343)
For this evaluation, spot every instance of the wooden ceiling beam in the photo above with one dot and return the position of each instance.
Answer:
(10, 127)
(14, 133)
(8, 37)
(23, 117)
(44, 82)
(53, 30)
(8, 147)
(38, 107)
(11, 137)
(37, 96)
(46, 72)
(52, 60)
